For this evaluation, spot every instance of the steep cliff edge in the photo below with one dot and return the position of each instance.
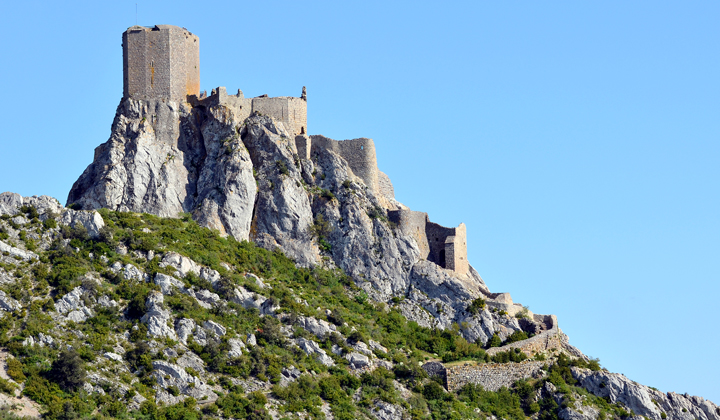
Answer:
(244, 178)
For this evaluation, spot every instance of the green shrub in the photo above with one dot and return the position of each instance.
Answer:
(495, 341)
(7, 387)
(502, 404)
(68, 370)
(518, 335)
(512, 355)
(282, 167)
(476, 306)
(15, 370)
(433, 391)
(50, 223)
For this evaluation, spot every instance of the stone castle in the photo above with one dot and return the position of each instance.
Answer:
(162, 63)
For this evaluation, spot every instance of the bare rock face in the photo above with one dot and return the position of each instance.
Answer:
(144, 165)
(226, 186)
(166, 158)
(282, 213)
(246, 179)
(363, 242)
(645, 401)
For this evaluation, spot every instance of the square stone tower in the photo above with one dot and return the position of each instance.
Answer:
(160, 63)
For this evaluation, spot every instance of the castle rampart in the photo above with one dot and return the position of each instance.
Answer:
(446, 247)
(290, 111)
(160, 63)
(359, 154)
(549, 339)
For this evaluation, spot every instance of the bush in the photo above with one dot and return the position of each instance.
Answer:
(433, 391)
(282, 167)
(476, 306)
(68, 370)
(512, 355)
(518, 335)
(495, 341)
(15, 369)
(320, 228)
(270, 332)
(7, 387)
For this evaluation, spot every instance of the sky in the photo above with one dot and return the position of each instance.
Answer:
(578, 141)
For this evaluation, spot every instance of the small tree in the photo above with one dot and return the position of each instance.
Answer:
(68, 370)
(495, 341)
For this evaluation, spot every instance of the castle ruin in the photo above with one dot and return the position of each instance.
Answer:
(446, 247)
(162, 63)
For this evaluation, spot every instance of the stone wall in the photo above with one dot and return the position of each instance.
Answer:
(359, 154)
(413, 223)
(303, 143)
(160, 63)
(552, 338)
(291, 112)
(491, 376)
(456, 250)
(386, 186)
(446, 247)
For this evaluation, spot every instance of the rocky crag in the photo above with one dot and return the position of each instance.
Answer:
(245, 178)
(217, 261)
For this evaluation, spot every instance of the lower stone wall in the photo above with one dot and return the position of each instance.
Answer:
(546, 340)
(491, 376)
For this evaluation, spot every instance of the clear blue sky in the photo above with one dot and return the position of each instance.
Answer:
(578, 141)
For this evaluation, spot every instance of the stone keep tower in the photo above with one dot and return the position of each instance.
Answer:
(160, 63)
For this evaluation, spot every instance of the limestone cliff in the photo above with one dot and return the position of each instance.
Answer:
(244, 178)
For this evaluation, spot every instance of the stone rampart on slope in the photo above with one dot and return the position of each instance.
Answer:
(552, 338)
(491, 376)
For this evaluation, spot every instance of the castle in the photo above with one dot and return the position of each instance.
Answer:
(162, 63)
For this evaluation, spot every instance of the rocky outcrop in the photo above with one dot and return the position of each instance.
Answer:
(46, 207)
(645, 401)
(245, 178)
(156, 161)
(156, 318)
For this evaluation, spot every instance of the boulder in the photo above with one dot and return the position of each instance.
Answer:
(358, 360)
(17, 252)
(90, 220)
(8, 304)
(311, 348)
(156, 317)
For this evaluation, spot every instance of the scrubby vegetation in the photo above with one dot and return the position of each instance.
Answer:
(58, 375)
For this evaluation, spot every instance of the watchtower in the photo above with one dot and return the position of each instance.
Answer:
(160, 62)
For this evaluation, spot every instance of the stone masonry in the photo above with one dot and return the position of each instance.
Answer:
(551, 338)
(162, 62)
(446, 247)
(290, 111)
(492, 376)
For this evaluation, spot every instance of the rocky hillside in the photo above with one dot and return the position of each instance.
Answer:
(206, 270)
